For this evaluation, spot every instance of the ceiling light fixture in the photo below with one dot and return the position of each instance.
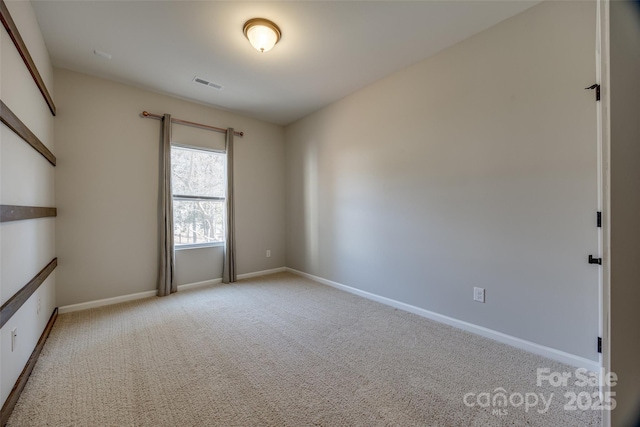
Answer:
(261, 33)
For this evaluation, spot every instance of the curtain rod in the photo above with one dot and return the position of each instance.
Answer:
(184, 122)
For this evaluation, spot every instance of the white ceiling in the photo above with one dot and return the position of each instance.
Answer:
(328, 48)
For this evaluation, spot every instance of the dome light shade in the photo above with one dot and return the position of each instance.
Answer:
(262, 34)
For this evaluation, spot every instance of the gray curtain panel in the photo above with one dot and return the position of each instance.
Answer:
(229, 266)
(166, 282)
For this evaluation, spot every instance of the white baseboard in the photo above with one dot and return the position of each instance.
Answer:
(105, 301)
(551, 353)
(262, 273)
(199, 284)
(147, 294)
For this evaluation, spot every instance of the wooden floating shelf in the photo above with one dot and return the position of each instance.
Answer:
(14, 303)
(12, 29)
(15, 124)
(17, 213)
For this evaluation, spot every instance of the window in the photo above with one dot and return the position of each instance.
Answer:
(198, 180)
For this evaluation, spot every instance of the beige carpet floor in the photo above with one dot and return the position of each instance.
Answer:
(278, 350)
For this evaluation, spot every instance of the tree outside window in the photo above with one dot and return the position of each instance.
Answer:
(198, 179)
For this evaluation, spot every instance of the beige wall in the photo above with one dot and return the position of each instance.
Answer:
(26, 178)
(476, 167)
(107, 190)
(625, 209)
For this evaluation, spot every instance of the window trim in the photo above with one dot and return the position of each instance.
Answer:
(197, 148)
(182, 197)
(199, 198)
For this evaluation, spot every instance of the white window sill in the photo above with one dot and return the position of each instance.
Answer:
(199, 246)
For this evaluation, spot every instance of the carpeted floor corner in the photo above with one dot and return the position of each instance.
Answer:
(279, 350)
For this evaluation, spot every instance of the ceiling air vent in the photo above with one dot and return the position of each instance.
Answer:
(207, 83)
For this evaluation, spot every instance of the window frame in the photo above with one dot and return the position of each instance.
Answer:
(182, 197)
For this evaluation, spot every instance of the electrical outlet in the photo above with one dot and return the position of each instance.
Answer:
(268, 253)
(38, 311)
(478, 294)
(14, 338)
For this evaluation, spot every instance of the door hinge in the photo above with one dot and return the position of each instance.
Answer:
(595, 86)
(593, 260)
(599, 345)
(599, 219)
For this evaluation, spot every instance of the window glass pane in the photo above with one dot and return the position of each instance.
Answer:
(197, 172)
(196, 222)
